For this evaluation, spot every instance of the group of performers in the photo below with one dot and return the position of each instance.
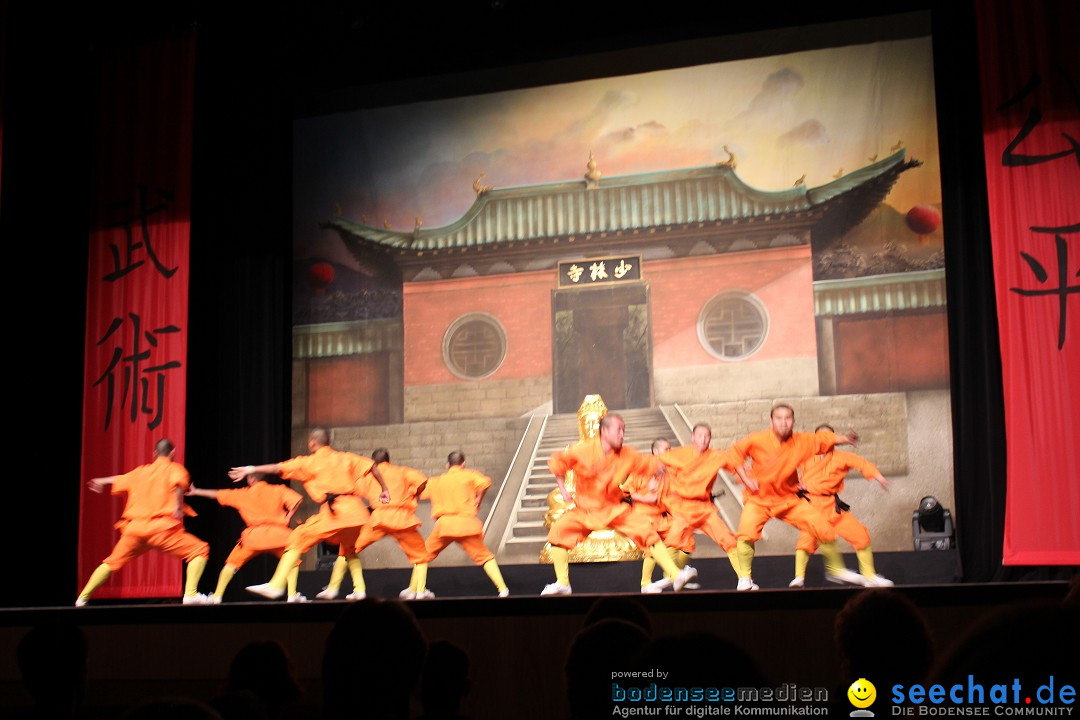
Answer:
(657, 500)
(344, 484)
(794, 477)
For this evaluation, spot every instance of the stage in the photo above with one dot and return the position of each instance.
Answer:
(517, 646)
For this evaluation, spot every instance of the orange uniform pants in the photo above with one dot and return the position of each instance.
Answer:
(164, 534)
(844, 524)
(257, 540)
(794, 511)
(349, 513)
(410, 540)
(574, 526)
(447, 531)
(691, 515)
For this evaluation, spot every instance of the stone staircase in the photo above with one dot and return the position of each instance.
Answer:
(526, 534)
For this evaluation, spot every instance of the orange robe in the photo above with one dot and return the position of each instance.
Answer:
(774, 468)
(657, 513)
(689, 496)
(147, 522)
(453, 505)
(329, 471)
(398, 517)
(824, 480)
(265, 509)
(598, 495)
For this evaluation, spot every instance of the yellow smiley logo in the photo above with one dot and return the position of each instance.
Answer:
(862, 693)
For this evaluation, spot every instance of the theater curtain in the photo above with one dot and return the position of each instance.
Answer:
(1030, 75)
(137, 289)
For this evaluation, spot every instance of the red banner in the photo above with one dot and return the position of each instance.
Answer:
(1030, 62)
(137, 291)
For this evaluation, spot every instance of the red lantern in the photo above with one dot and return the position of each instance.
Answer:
(320, 275)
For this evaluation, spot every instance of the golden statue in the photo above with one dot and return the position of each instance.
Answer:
(602, 545)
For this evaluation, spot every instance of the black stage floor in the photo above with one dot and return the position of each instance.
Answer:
(517, 646)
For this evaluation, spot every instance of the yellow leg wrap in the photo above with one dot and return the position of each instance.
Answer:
(733, 558)
(647, 567)
(337, 573)
(662, 557)
(492, 569)
(418, 583)
(682, 559)
(866, 562)
(802, 559)
(291, 581)
(289, 560)
(834, 561)
(745, 549)
(194, 572)
(356, 572)
(97, 579)
(560, 558)
(223, 579)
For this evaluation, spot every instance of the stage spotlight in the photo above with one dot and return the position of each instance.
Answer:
(932, 525)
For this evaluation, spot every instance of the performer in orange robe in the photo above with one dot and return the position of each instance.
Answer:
(153, 519)
(646, 493)
(330, 477)
(398, 519)
(692, 471)
(822, 479)
(455, 499)
(266, 508)
(771, 490)
(600, 467)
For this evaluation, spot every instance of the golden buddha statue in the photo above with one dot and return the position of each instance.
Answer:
(602, 545)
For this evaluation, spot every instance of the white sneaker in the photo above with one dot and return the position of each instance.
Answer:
(692, 586)
(297, 598)
(685, 575)
(326, 594)
(425, 595)
(652, 588)
(505, 592)
(407, 594)
(196, 599)
(797, 582)
(556, 589)
(213, 599)
(356, 595)
(267, 591)
(663, 583)
(846, 577)
(79, 602)
(746, 583)
(878, 581)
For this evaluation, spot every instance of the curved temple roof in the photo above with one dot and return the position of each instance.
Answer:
(695, 195)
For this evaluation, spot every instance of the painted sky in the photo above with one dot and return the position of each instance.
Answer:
(786, 116)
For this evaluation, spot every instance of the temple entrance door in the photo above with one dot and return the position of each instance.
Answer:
(602, 344)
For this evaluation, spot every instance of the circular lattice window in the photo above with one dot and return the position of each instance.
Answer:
(733, 326)
(474, 346)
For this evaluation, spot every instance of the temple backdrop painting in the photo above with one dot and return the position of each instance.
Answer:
(693, 244)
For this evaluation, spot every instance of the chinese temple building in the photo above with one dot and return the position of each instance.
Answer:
(665, 287)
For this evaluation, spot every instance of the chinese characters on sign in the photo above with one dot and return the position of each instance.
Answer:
(136, 394)
(1011, 158)
(144, 211)
(599, 271)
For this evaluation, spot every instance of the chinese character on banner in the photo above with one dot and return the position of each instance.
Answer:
(597, 271)
(622, 268)
(1063, 288)
(136, 394)
(122, 267)
(1011, 158)
(574, 273)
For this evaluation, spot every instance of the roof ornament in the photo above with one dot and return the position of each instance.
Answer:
(839, 173)
(592, 177)
(480, 189)
(730, 162)
(800, 181)
(338, 210)
(873, 158)
(386, 224)
(899, 144)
